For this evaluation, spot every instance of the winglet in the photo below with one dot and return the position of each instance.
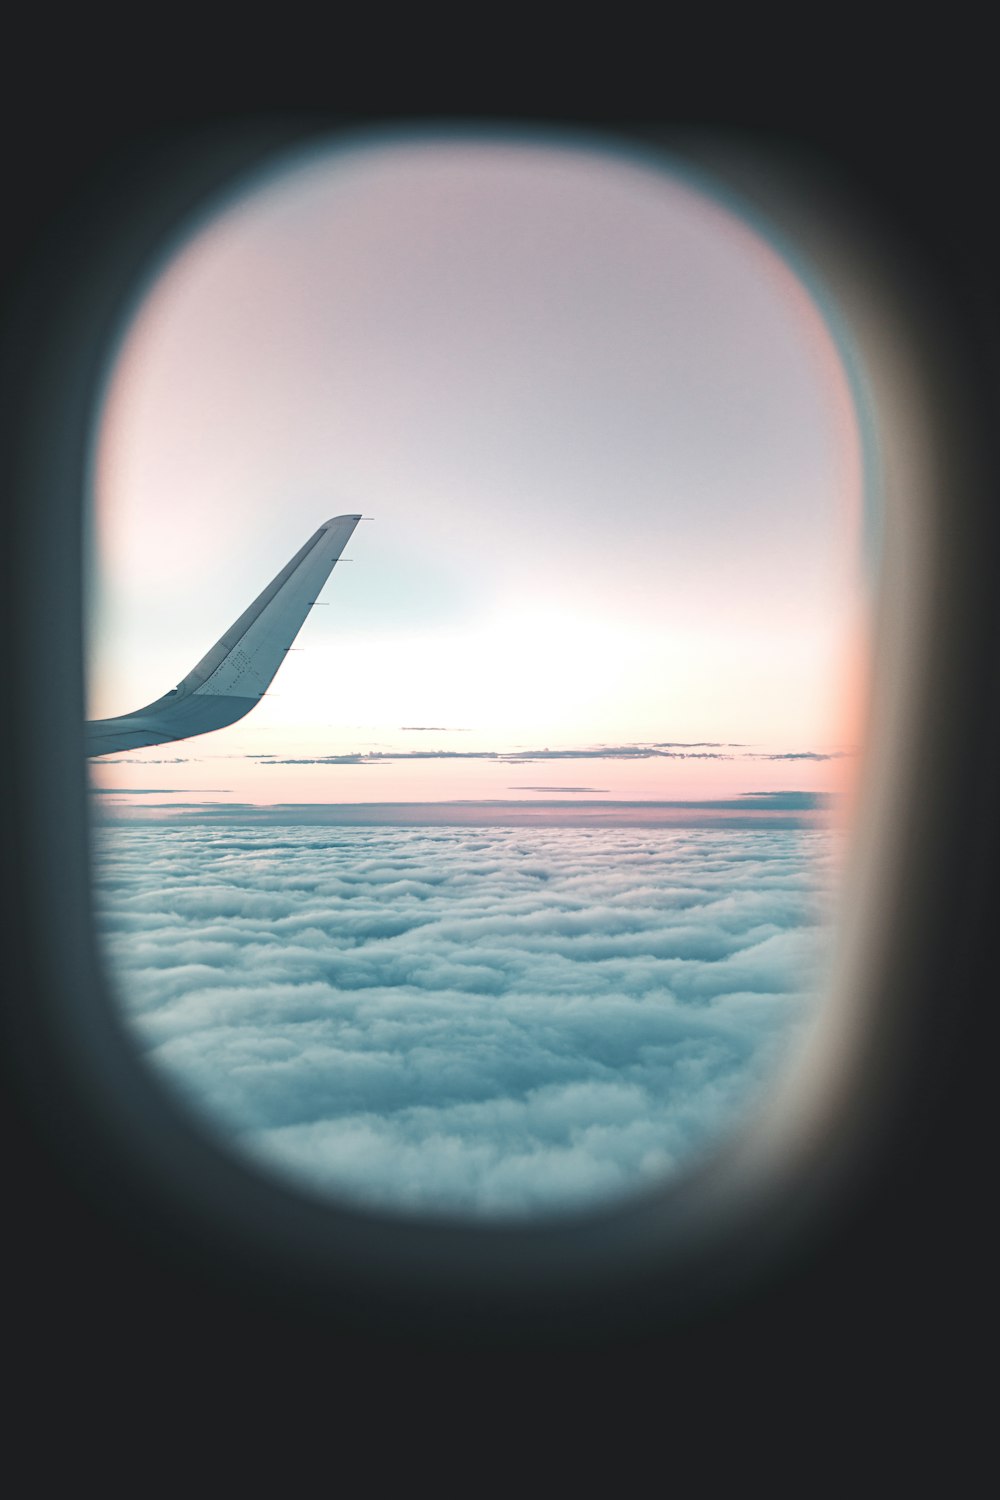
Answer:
(233, 676)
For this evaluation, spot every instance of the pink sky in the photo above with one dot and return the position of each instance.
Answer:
(610, 450)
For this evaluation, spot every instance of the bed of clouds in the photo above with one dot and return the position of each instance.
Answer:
(495, 1021)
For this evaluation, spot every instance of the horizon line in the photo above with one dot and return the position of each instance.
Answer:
(749, 809)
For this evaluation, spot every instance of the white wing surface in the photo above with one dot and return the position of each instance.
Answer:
(232, 678)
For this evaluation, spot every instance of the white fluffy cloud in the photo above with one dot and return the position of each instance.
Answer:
(488, 1021)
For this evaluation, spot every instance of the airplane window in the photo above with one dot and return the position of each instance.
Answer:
(485, 859)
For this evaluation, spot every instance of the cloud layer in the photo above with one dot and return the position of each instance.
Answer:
(486, 1021)
(654, 750)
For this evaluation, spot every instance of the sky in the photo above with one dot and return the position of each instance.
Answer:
(495, 1022)
(610, 453)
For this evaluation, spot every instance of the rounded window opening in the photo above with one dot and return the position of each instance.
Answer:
(513, 891)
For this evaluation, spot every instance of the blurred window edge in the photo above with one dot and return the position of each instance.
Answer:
(790, 1169)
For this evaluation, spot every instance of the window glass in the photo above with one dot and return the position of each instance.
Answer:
(514, 891)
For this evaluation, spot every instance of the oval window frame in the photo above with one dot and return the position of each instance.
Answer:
(678, 1247)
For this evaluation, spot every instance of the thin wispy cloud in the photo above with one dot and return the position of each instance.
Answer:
(502, 757)
(789, 799)
(653, 750)
(804, 755)
(662, 750)
(557, 789)
(152, 791)
(127, 760)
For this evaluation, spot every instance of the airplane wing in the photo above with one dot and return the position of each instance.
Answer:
(232, 678)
